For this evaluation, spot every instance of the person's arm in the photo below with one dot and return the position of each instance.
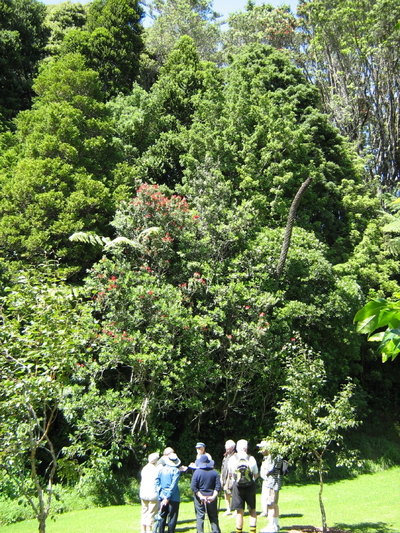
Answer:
(194, 483)
(254, 469)
(217, 483)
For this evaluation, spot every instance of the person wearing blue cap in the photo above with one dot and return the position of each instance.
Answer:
(206, 485)
(201, 450)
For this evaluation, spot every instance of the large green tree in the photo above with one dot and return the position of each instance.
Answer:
(23, 37)
(173, 19)
(353, 57)
(111, 42)
(56, 173)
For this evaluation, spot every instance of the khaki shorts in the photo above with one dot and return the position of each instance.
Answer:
(272, 496)
(149, 511)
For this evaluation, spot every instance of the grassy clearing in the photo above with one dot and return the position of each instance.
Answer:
(368, 504)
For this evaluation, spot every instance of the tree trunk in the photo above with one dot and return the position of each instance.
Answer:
(289, 225)
(321, 504)
(42, 524)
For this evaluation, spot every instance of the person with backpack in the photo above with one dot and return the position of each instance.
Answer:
(206, 485)
(270, 473)
(244, 471)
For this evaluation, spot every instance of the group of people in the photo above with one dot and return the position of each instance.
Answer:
(160, 495)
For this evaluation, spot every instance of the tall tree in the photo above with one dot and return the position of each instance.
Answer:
(23, 37)
(172, 19)
(353, 56)
(62, 18)
(57, 172)
(111, 42)
(263, 24)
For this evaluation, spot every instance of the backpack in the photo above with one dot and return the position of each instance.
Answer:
(243, 473)
(284, 468)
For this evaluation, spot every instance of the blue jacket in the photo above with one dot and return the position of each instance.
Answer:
(167, 483)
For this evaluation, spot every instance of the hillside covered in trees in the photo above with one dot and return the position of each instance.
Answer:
(183, 209)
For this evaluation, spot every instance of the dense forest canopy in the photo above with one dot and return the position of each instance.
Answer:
(151, 181)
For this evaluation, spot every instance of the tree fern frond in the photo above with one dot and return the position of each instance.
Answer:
(124, 241)
(89, 238)
(392, 227)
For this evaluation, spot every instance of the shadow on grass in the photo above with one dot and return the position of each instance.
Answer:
(190, 524)
(366, 527)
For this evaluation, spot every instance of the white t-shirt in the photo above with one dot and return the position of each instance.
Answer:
(147, 484)
(233, 461)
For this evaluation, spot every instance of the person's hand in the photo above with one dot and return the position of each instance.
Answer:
(164, 503)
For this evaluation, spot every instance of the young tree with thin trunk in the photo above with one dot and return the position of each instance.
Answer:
(308, 424)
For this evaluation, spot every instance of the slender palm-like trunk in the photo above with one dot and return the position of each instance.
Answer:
(289, 225)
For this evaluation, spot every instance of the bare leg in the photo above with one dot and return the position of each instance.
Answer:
(227, 503)
(239, 518)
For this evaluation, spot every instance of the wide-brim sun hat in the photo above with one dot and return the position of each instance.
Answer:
(172, 460)
(204, 462)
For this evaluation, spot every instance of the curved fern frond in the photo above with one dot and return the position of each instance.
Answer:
(89, 238)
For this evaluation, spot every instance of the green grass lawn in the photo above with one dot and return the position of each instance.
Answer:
(368, 504)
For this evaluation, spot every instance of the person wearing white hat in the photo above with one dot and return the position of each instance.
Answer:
(270, 473)
(244, 469)
(226, 478)
(264, 508)
(148, 494)
(167, 486)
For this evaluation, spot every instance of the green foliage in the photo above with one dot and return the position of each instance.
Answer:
(154, 126)
(23, 37)
(44, 331)
(375, 315)
(56, 180)
(307, 423)
(111, 43)
(173, 19)
(62, 18)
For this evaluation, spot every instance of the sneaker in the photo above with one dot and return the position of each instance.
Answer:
(227, 512)
(263, 514)
(270, 529)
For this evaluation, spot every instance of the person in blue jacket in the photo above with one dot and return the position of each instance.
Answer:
(206, 485)
(167, 486)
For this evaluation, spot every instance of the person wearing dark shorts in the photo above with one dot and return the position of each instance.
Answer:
(243, 492)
